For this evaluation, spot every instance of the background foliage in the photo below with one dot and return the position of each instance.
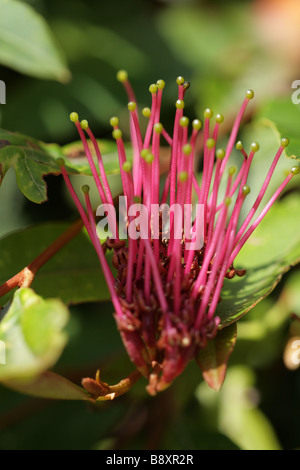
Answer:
(65, 57)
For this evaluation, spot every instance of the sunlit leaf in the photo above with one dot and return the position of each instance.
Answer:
(27, 44)
(32, 332)
(284, 116)
(270, 252)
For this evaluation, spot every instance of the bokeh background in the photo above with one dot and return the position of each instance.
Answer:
(222, 48)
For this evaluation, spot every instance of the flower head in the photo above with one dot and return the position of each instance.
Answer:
(185, 238)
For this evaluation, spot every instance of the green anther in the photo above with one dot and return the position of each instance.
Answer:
(137, 199)
(179, 104)
(144, 153)
(114, 121)
(149, 157)
(239, 145)
(208, 113)
(227, 201)
(183, 176)
(146, 112)
(197, 124)
(127, 166)
(122, 76)
(60, 162)
(153, 89)
(219, 118)
(84, 124)
(295, 170)
(187, 149)
(158, 127)
(184, 121)
(160, 84)
(210, 143)
(220, 154)
(131, 106)
(245, 190)
(249, 94)
(117, 134)
(180, 80)
(231, 170)
(186, 85)
(254, 147)
(85, 189)
(74, 117)
(284, 142)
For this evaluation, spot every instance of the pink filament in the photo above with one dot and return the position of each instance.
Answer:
(260, 195)
(91, 163)
(222, 240)
(91, 229)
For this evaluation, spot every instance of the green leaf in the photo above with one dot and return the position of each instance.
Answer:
(76, 160)
(32, 160)
(27, 44)
(32, 332)
(236, 412)
(226, 54)
(30, 163)
(271, 251)
(49, 385)
(213, 359)
(73, 274)
(291, 293)
(79, 43)
(196, 27)
(284, 116)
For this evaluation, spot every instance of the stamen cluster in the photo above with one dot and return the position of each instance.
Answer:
(164, 293)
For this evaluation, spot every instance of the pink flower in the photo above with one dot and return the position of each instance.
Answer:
(166, 291)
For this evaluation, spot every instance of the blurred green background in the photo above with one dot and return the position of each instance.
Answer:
(70, 62)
